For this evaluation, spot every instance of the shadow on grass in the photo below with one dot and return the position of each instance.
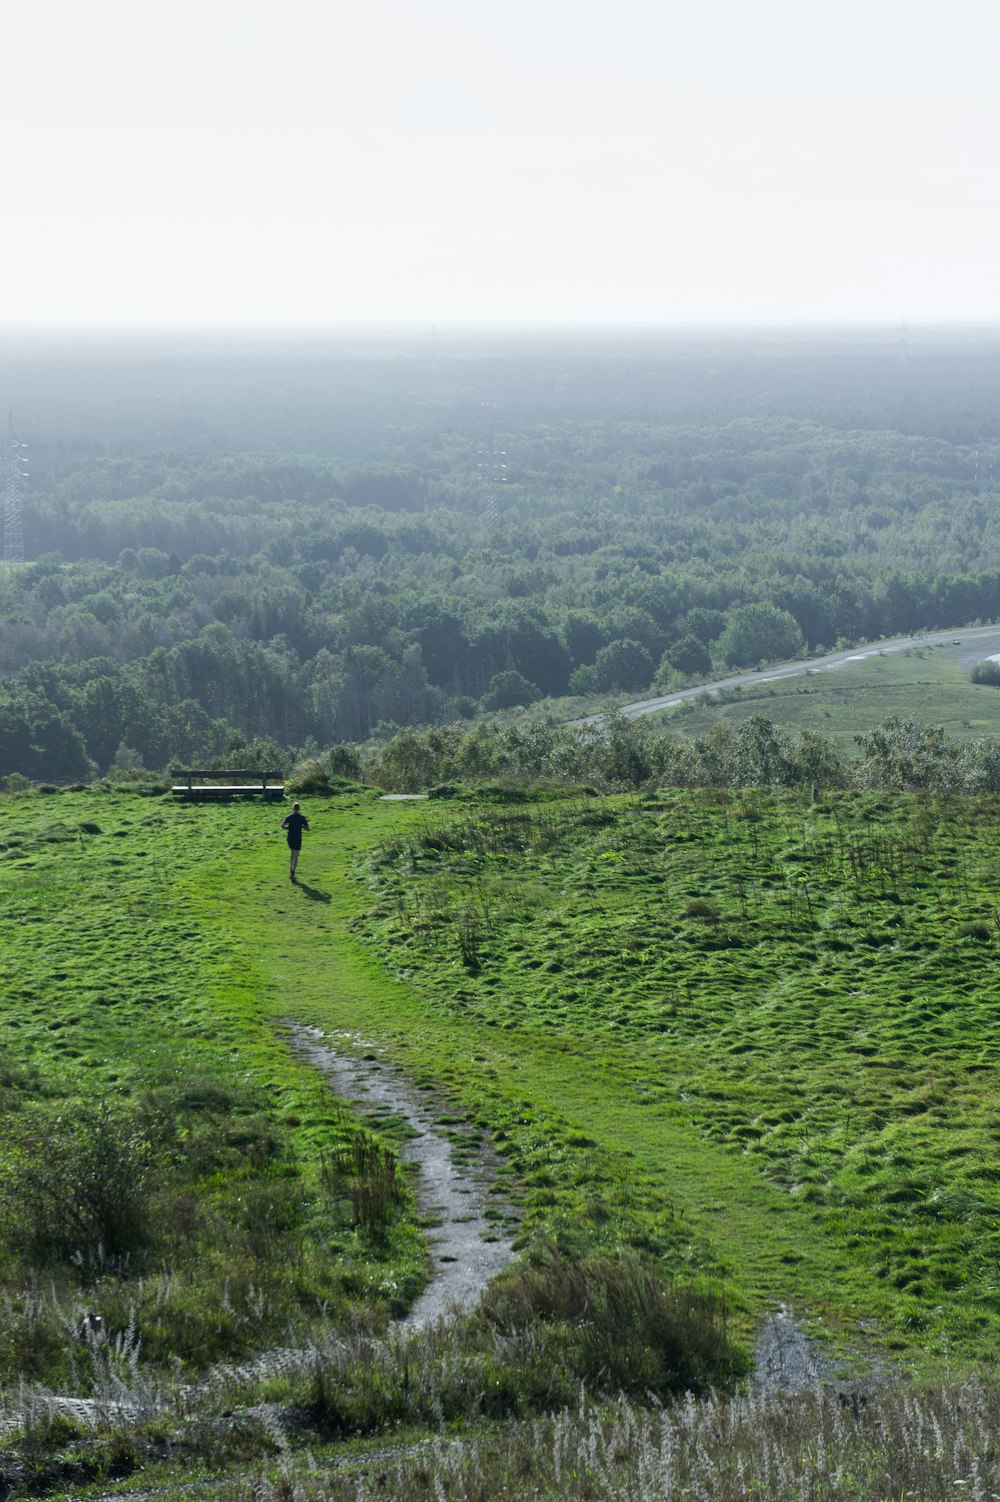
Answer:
(313, 893)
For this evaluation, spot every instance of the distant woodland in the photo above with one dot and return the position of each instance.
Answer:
(263, 549)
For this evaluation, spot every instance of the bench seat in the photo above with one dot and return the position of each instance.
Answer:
(208, 786)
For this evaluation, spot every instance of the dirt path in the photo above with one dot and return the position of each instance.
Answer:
(467, 1249)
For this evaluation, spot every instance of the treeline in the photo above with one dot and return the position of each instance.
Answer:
(174, 667)
(619, 754)
(623, 754)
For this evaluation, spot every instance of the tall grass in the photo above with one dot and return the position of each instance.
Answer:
(915, 1446)
(545, 1330)
(365, 1172)
(80, 1185)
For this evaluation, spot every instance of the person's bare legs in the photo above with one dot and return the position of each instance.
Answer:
(295, 862)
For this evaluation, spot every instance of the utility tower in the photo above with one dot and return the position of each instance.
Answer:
(984, 470)
(15, 470)
(492, 474)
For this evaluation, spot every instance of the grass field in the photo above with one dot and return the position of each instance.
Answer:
(752, 1038)
(925, 683)
(782, 1013)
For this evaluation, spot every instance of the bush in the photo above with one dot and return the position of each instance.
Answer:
(699, 907)
(312, 777)
(78, 1188)
(510, 690)
(986, 672)
(623, 665)
(758, 632)
(366, 1172)
(633, 1332)
(689, 656)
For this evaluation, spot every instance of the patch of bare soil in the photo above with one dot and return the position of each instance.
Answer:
(787, 1361)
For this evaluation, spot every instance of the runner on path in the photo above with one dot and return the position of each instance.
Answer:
(294, 824)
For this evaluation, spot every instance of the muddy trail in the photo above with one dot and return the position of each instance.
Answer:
(467, 1246)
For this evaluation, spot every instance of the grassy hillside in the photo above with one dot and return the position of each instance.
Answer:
(751, 1038)
(783, 1013)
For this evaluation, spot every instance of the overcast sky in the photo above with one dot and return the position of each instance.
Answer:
(557, 161)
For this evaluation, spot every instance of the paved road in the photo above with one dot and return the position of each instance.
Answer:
(968, 645)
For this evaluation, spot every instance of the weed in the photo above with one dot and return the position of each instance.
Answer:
(698, 907)
(368, 1173)
(632, 1332)
(833, 1446)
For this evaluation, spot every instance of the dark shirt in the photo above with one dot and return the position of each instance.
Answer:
(295, 823)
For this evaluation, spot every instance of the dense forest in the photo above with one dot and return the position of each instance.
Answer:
(260, 547)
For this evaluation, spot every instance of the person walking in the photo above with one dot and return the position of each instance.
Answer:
(294, 825)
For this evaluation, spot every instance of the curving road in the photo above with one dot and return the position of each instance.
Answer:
(967, 644)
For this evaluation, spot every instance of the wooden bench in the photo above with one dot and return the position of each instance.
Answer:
(202, 788)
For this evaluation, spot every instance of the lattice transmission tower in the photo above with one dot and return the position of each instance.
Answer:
(984, 470)
(15, 470)
(493, 475)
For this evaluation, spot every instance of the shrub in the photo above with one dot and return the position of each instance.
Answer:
(623, 665)
(986, 672)
(634, 1333)
(699, 907)
(311, 777)
(78, 1188)
(509, 690)
(367, 1173)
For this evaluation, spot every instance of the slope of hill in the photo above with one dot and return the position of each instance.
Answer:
(749, 1039)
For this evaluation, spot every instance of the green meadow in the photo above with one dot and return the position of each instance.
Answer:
(748, 1041)
(924, 682)
(782, 1015)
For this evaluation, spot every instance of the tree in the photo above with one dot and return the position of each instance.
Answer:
(761, 754)
(689, 656)
(623, 665)
(816, 762)
(706, 625)
(758, 633)
(584, 636)
(39, 742)
(508, 690)
(622, 749)
(442, 640)
(901, 752)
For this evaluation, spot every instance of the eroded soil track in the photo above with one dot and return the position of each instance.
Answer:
(468, 1248)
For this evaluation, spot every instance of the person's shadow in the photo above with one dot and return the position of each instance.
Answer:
(313, 893)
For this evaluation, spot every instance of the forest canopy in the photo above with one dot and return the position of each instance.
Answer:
(309, 545)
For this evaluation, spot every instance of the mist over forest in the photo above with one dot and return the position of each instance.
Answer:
(254, 546)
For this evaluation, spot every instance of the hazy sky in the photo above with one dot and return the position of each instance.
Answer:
(434, 161)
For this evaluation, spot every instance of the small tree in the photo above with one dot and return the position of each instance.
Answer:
(901, 752)
(759, 633)
(689, 656)
(127, 765)
(623, 665)
(508, 690)
(80, 1186)
(817, 763)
